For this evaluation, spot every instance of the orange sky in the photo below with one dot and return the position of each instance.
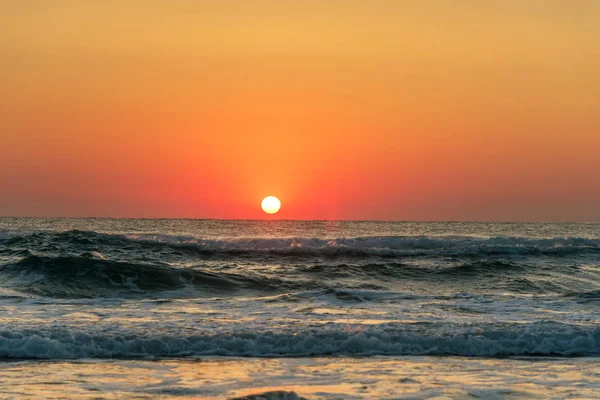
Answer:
(349, 109)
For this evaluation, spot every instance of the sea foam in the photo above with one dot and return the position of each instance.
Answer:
(532, 339)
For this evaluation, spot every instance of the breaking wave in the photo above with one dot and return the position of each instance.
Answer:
(495, 340)
(381, 246)
(388, 246)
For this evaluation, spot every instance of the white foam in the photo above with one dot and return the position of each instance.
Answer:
(332, 339)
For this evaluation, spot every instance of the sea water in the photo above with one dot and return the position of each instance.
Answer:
(316, 309)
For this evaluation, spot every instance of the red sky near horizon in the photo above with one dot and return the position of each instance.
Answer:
(403, 110)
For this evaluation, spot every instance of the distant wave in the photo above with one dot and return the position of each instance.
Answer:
(496, 340)
(388, 246)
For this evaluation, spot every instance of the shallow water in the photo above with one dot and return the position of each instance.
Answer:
(82, 289)
(310, 378)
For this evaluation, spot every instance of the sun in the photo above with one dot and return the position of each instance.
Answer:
(271, 204)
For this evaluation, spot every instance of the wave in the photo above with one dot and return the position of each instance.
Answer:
(381, 246)
(495, 340)
(90, 264)
(386, 246)
(91, 275)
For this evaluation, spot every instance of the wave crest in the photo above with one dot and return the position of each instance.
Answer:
(381, 246)
(496, 340)
(90, 275)
(386, 246)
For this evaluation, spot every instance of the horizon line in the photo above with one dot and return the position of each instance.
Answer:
(312, 220)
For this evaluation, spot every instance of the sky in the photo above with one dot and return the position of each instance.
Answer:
(344, 109)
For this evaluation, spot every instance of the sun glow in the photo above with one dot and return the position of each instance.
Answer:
(271, 204)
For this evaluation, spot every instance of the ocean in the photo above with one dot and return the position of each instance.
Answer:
(173, 308)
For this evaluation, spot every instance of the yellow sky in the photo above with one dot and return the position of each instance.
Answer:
(345, 109)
